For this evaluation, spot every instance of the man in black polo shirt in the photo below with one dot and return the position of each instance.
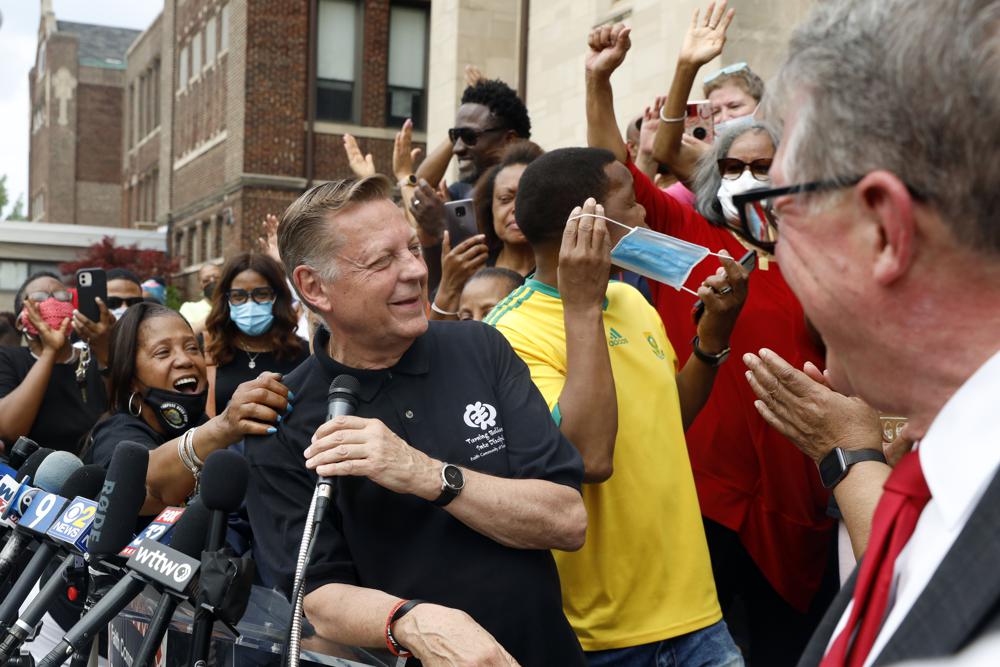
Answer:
(453, 481)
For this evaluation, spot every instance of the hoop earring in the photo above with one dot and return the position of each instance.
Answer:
(131, 411)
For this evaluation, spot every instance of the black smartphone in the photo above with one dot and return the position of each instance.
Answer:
(749, 262)
(91, 284)
(460, 217)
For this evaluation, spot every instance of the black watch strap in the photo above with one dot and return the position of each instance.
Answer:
(834, 466)
(713, 360)
(449, 491)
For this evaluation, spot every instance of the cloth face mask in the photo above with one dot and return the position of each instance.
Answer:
(656, 256)
(175, 411)
(53, 313)
(727, 188)
(251, 317)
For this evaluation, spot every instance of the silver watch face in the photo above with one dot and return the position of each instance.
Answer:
(453, 477)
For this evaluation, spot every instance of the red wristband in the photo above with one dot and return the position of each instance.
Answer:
(390, 641)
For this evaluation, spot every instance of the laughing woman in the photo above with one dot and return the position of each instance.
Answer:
(251, 328)
(158, 388)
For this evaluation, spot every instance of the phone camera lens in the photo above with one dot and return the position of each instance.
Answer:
(700, 133)
(460, 211)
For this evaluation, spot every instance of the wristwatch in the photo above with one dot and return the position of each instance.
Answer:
(835, 465)
(452, 483)
(713, 360)
(408, 182)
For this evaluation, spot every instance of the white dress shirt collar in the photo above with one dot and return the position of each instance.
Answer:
(960, 453)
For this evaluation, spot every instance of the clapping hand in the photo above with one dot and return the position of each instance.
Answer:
(404, 156)
(268, 242)
(362, 165)
(706, 35)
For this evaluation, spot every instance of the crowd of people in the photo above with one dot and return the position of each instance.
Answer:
(659, 442)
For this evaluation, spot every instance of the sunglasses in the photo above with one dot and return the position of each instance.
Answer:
(470, 136)
(237, 297)
(732, 168)
(117, 301)
(58, 295)
(729, 69)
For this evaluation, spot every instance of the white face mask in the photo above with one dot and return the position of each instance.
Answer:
(728, 188)
(118, 312)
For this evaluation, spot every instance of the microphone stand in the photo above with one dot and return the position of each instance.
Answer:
(204, 619)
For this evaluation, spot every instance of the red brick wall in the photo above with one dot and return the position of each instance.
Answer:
(375, 68)
(99, 134)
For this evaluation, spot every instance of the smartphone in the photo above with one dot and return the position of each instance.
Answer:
(460, 216)
(749, 262)
(91, 284)
(699, 123)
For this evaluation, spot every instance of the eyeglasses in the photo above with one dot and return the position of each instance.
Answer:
(238, 297)
(58, 295)
(728, 69)
(758, 217)
(732, 168)
(117, 301)
(469, 135)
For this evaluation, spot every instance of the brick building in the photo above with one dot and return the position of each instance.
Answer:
(76, 117)
(235, 107)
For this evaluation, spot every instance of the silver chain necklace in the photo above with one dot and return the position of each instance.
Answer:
(253, 359)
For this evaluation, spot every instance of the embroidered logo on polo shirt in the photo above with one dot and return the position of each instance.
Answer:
(653, 344)
(480, 415)
(616, 338)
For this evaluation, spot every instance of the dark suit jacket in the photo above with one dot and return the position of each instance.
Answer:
(960, 603)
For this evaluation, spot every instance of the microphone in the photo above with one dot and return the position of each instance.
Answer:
(223, 486)
(188, 540)
(342, 399)
(10, 484)
(83, 485)
(32, 462)
(53, 471)
(22, 448)
(122, 496)
(37, 518)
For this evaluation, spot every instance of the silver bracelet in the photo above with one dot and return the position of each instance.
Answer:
(441, 311)
(185, 451)
(681, 119)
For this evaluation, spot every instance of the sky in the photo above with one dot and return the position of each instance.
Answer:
(18, 40)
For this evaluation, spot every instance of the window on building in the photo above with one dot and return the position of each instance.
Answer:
(210, 34)
(336, 61)
(406, 94)
(12, 274)
(196, 56)
(224, 25)
(182, 69)
(156, 94)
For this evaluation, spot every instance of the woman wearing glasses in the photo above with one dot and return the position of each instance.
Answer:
(52, 391)
(251, 328)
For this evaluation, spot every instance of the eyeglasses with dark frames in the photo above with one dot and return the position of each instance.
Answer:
(731, 168)
(117, 302)
(237, 297)
(758, 218)
(470, 135)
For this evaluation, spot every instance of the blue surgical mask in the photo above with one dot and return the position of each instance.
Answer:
(251, 317)
(657, 256)
(734, 123)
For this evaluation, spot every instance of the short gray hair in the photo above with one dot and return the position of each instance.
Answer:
(304, 236)
(707, 178)
(908, 86)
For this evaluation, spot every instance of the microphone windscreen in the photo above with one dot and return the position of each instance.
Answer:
(224, 480)
(121, 499)
(31, 464)
(345, 386)
(85, 482)
(192, 530)
(55, 470)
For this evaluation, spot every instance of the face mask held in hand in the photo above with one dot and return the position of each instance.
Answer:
(53, 313)
(656, 256)
(252, 318)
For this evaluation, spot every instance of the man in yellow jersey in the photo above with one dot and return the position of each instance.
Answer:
(641, 591)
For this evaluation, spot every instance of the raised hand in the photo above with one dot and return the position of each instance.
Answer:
(268, 242)
(457, 266)
(608, 46)
(650, 123)
(52, 338)
(473, 75)
(427, 207)
(96, 334)
(584, 258)
(706, 35)
(404, 156)
(362, 165)
(723, 294)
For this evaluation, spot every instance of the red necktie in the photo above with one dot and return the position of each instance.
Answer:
(903, 499)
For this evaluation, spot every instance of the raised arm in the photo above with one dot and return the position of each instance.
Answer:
(607, 48)
(588, 404)
(723, 294)
(702, 42)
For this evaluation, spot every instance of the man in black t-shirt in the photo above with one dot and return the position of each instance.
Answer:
(452, 481)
